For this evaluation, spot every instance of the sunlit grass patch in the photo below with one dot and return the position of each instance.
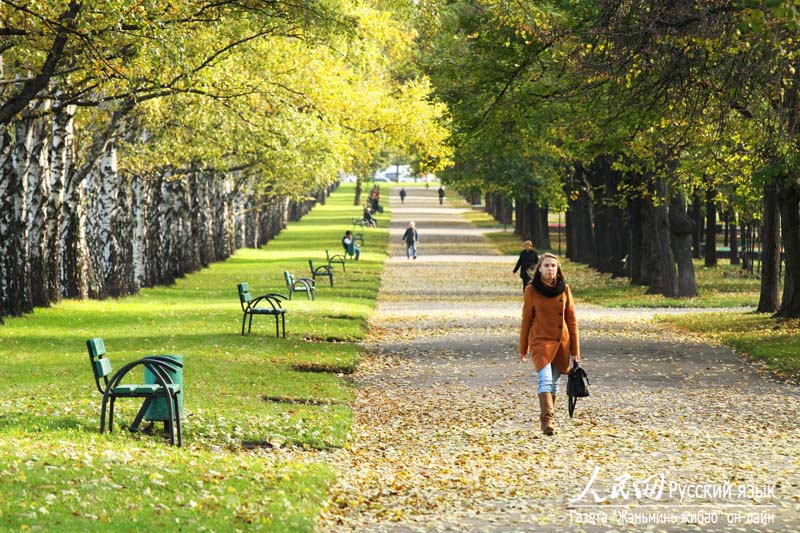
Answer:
(63, 473)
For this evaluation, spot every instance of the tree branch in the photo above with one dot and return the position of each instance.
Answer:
(32, 87)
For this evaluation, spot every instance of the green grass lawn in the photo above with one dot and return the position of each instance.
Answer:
(57, 471)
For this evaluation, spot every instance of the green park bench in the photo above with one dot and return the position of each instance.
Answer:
(250, 307)
(350, 250)
(324, 271)
(162, 370)
(337, 259)
(301, 284)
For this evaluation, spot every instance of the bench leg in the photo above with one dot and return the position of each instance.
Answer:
(111, 415)
(291, 290)
(170, 401)
(103, 416)
(283, 323)
(140, 415)
(244, 319)
(178, 421)
(277, 328)
(250, 324)
(331, 278)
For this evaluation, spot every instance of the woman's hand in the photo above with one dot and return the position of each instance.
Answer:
(522, 356)
(575, 359)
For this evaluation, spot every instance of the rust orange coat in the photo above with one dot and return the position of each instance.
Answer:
(549, 330)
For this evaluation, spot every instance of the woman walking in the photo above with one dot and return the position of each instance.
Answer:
(549, 333)
(527, 260)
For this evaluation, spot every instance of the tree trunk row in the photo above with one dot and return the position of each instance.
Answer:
(647, 238)
(500, 207)
(71, 228)
(531, 222)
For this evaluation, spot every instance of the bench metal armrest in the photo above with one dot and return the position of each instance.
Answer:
(305, 282)
(326, 268)
(273, 299)
(160, 366)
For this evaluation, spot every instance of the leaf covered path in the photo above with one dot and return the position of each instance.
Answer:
(445, 434)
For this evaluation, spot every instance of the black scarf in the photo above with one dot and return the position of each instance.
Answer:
(547, 290)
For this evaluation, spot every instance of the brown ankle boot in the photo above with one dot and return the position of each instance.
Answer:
(546, 409)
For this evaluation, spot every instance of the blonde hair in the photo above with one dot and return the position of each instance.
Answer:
(547, 255)
(526, 243)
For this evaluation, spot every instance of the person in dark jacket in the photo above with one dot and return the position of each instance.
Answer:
(410, 238)
(351, 247)
(368, 218)
(528, 258)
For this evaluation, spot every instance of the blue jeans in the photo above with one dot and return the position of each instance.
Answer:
(411, 249)
(548, 378)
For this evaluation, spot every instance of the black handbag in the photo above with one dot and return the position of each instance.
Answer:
(577, 386)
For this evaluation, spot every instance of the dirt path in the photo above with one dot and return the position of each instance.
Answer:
(445, 435)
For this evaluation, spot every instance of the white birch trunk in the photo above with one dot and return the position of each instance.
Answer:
(91, 222)
(61, 160)
(18, 260)
(192, 237)
(205, 230)
(171, 227)
(74, 264)
(140, 235)
(285, 217)
(154, 244)
(223, 216)
(183, 213)
(240, 230)
(108, 217)
(6, 220)
(38, 189)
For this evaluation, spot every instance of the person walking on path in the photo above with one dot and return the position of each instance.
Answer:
(410, 237)
(549, 333)
(403, 195)
(527, 260)
(441, 195)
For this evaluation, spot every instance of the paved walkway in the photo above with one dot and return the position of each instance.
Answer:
(678, 435)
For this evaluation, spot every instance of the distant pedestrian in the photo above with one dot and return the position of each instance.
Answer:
(410, 237)
(527, 260)
(403, 195)
(441, 195)
(549, 333)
